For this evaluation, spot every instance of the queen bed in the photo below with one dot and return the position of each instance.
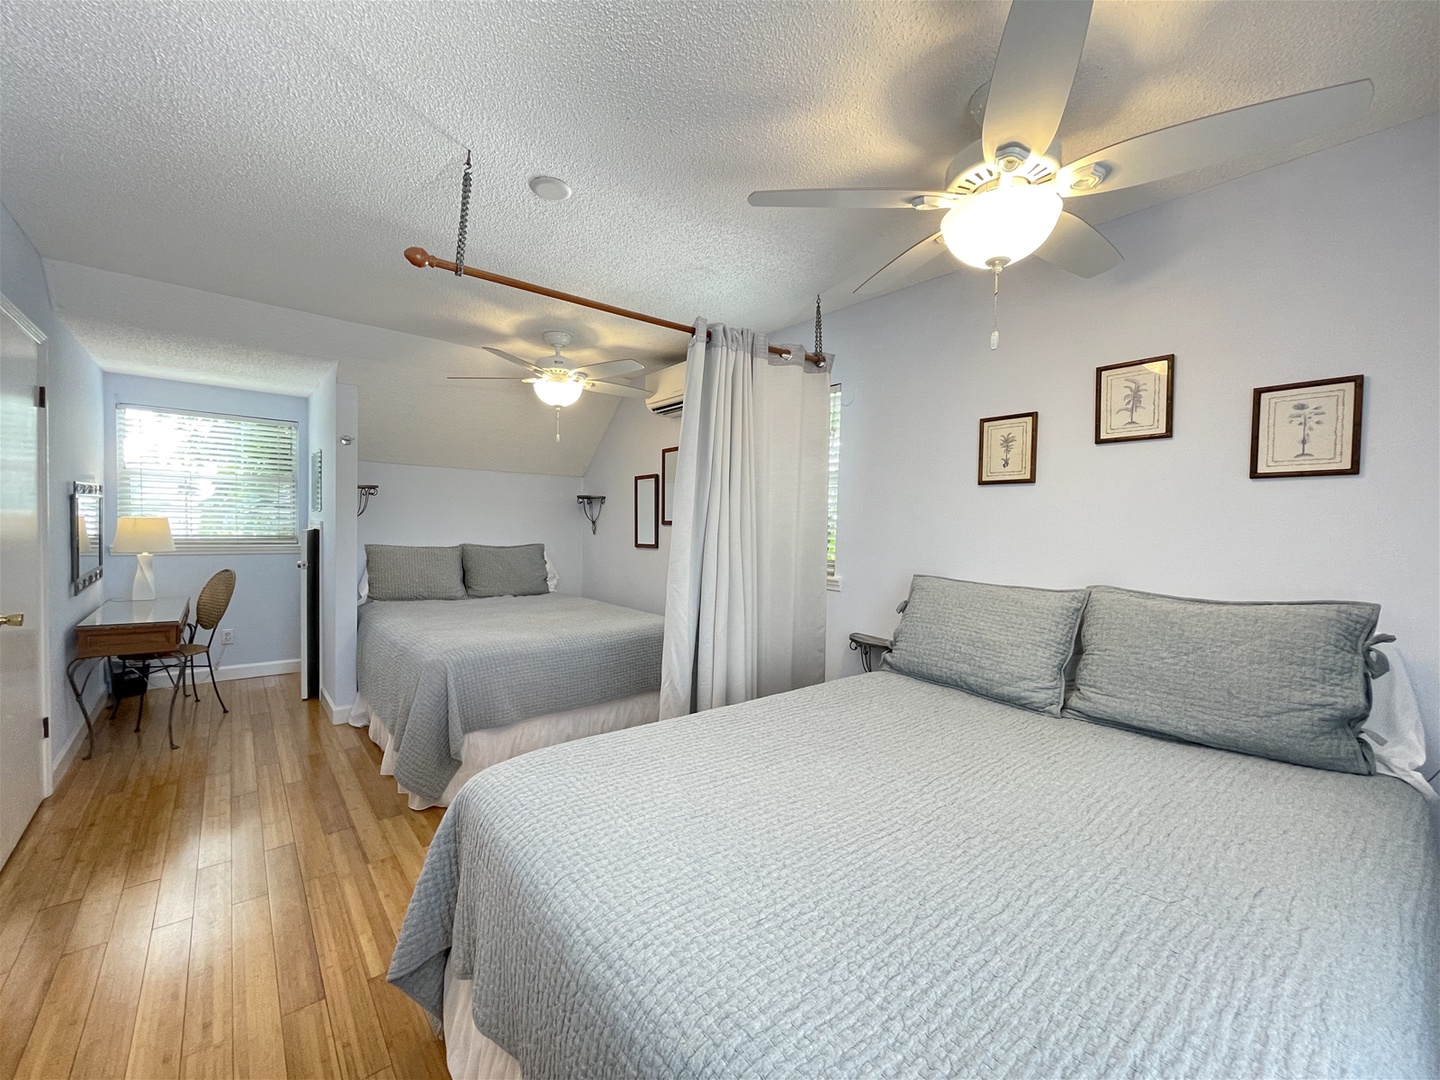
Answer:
(896, 874)
(460, 664)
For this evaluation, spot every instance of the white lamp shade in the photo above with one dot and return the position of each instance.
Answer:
(1007, 223)
(134, 535)
(558, 394)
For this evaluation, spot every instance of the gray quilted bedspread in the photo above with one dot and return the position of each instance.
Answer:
(882, 877)
(436, 669)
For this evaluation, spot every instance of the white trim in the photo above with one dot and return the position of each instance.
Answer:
(68, 757)
(832, 582)
(36, 334)
(230, 672)
(339, 714)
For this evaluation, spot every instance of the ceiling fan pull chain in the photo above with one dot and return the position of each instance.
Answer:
(464, 219)
(995, 309)
(557, 425)
(819, 341)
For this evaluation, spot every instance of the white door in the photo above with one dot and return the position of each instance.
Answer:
(21, 742)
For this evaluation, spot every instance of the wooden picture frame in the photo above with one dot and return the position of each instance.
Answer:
(1007, 448)
(1307, 428)
(1135, 400)
(669, 457)
(647, 510)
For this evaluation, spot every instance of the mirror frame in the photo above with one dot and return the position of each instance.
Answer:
(647, 503)
(81, 494)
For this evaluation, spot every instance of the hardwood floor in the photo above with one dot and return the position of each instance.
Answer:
(225, 909)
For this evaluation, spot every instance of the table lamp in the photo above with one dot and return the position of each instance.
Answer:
(142, 537)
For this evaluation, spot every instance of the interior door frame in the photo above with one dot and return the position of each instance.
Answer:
(42, 510)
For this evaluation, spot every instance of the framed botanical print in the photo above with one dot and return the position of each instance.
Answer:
(1307, 428)
(1007, 448)
(647, 510)
(1135, 400)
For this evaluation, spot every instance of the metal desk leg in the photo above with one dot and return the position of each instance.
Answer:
(79, 692)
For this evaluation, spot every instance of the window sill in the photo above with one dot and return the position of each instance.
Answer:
(217, 549)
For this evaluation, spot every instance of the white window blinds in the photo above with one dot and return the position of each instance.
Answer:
(227, 483)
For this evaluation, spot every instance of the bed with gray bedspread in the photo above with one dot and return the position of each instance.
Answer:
(885, 877)
(435, 670)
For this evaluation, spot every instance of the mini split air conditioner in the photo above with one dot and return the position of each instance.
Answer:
(667, 390)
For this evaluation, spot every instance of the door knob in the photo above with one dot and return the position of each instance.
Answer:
(12, 620)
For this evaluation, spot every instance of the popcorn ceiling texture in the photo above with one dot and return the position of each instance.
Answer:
(286, 154)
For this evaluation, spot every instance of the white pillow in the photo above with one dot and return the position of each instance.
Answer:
(1394, 727)
(364, 582)
(552, 579)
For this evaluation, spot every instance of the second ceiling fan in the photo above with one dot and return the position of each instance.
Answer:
(1004, 194)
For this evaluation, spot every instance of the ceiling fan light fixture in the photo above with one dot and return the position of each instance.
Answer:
(558, 393)
(1006, 223)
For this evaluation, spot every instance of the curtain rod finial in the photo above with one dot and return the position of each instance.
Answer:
(417, 256)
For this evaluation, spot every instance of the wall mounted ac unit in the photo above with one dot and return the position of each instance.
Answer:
(667, 390)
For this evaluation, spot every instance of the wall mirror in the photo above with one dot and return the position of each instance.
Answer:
(86, 550)
(668, 457)
(647, 510)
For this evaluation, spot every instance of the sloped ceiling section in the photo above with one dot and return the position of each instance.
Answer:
(409, 413)
(286, 154)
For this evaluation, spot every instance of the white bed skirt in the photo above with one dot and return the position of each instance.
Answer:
(485, 747)
(470, 1055)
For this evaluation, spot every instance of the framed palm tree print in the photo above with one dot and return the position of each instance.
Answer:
(1307, 428)
(1135, 400)
(1007, 448)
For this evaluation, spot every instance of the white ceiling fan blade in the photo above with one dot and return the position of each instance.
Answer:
(1078, 248)
(612, 368)
(1034, 70)
(618, 389)
(903, 265)
(1222, 137)
(488, 378)
(512, 358)
(852, 198)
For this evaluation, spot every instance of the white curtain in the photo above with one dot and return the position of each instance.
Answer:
(745, 596)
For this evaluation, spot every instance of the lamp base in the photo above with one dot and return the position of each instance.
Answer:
(144, 588)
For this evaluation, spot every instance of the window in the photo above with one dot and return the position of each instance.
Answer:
(832, 493)
(227, 483)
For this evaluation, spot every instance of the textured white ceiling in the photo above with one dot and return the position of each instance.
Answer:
(286, 154)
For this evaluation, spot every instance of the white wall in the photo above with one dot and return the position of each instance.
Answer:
(1284, 276)
(265, 610)
(74, 427)
(423, 504)
(616, 571)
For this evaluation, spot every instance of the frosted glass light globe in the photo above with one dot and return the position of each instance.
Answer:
(558, 394)
(1007, 223)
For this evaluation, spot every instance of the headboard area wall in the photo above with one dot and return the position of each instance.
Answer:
(1274, 278)
(425, 505)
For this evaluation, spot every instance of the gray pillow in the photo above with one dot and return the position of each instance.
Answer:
(504, 571)
(1278, 680)
(414, 573)
(1002, 642)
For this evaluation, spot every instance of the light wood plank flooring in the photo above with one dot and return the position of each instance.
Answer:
(225, 909)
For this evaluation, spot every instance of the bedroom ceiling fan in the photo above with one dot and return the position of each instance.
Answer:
(1004, 194)
(559, 381)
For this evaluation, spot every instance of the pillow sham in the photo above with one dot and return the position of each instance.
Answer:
(397, 572)
(1003, 642)
(504, 571)
(1278, 680)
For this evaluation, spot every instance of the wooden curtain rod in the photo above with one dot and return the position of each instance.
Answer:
(420, 257)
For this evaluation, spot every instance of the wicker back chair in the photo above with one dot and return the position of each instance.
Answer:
(209, 610)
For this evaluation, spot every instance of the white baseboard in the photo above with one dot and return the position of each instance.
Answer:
(339, 714)
(229, 672)
(67, 758)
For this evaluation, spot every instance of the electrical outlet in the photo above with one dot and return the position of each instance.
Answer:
(227, 637)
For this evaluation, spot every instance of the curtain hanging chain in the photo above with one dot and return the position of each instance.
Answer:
(819, 341)
(464, 219)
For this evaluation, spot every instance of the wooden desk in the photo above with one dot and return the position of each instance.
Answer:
(128, 628)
